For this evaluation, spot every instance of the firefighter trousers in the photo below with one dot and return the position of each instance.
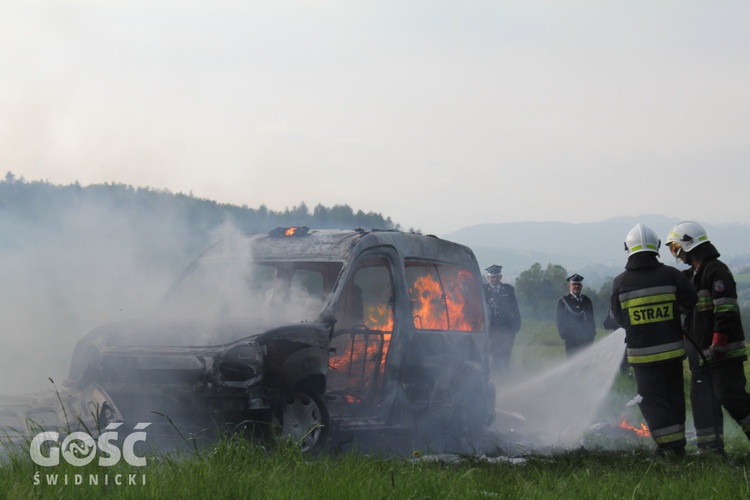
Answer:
(710, 390)
(663, 406)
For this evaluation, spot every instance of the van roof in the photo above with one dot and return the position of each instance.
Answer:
(338, 245)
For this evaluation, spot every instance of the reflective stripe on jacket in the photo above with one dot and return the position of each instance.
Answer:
(652, 306)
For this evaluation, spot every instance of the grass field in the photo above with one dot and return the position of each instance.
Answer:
(236, 468)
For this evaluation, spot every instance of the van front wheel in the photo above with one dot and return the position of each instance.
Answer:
(304, 419)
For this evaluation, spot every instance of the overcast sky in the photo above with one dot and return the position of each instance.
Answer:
(437, 114)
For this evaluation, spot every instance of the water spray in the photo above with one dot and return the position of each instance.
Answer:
(559, 404)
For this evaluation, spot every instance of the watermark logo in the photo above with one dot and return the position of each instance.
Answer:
(80, 448)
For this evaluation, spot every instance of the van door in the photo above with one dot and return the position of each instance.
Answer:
(364, 326)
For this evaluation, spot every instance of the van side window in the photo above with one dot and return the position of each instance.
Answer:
(444, 297)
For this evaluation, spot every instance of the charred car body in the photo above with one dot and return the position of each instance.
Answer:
(324, 332)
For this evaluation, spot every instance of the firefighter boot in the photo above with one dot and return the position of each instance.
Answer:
(671, 450)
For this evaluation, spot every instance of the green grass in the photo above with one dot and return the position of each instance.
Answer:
(237, 468)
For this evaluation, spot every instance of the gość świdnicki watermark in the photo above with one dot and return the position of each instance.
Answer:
(80, 449)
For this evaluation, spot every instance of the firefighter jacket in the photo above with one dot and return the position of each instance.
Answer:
(647, 300)
(717, 310)
(575, 319)
(502, 306)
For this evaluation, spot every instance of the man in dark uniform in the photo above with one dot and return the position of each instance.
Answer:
(575, 317)
(717, 372)
(504, 316)
(647, 300)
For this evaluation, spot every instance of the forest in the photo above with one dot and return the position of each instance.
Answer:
(42, 203)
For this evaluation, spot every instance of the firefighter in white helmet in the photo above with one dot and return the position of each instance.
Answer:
(715, 326)
(647, 299)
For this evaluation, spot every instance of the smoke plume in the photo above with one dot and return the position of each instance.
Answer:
(81, 266)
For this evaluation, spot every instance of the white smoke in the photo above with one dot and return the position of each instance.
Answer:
(60, 279)
(228, 284)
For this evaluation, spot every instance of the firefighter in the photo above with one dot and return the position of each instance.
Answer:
(647, 300)
(715, 328)
(504, 316)
(575, 317)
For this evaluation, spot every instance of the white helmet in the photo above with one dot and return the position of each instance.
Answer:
(641, 239)
(684, 237)
(687, 234)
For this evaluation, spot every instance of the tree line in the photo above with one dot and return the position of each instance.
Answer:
(156, 227)
(41, 200)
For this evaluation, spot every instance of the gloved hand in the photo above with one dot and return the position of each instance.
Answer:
(717, 352)
(718, 347)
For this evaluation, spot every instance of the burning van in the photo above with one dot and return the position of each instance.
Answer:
(322, 333)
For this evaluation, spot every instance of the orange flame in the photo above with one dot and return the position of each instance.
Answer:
(379, 318)
(641, 431)
(290, 231)
(434, 310)
(361, 362)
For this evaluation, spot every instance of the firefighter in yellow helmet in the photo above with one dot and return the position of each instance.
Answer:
(715, 326)
(647, 299)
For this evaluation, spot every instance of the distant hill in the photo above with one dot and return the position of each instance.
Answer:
(593, 249)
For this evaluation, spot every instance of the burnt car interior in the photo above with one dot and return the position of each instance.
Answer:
(444, 297)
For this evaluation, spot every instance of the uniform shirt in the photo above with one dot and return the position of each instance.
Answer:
(503, 311)
(575, 319)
